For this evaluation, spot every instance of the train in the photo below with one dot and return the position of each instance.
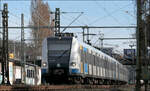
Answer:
(65, 59)
(28, 74)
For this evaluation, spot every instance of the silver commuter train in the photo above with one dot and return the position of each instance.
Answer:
(65, 59)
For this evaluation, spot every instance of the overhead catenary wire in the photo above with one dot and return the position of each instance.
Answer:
(80, 27)
(72, 22)
(106, 11)
(14, 15)
(78, 22)
(117, 38)
(114, 39)
(72, 0)
(100, 18)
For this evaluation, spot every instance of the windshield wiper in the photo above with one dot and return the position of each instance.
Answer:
(62, 54)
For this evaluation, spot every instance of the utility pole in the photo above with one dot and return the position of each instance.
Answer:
(22, 47)
(5, 57)
(139, 45)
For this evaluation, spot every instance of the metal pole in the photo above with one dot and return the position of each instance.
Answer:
(5, 63)
(22, 47)
(7, 53)
(3, 54)
(88, 37)
(138, 63)
(83, 34)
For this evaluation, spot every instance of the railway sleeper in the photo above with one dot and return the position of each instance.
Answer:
(75, 80)
(100, 82)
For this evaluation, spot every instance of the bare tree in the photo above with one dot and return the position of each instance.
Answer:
(40, 16)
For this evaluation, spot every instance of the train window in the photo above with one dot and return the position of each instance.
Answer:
(33, 74)
(103, 57)
(27, 73)
(106, 64)
(92, 59)
(97, 61)
(88, 57)
(112, 66)
(30, 73)
(103, 63)
(82, 56)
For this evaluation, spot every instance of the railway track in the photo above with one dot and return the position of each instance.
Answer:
(64, 87)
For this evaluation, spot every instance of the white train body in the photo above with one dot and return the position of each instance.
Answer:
(68, 57)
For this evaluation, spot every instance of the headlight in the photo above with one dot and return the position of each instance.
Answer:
(44, 64)
(58, 65)
(73, 64)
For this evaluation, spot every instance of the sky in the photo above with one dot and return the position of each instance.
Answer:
(96, 13)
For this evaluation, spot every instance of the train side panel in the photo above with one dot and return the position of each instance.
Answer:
(75, 59)
(44, 65)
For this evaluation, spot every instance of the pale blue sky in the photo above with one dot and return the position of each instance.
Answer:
(96, 13)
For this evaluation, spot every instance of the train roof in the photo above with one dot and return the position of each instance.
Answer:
(57, 37)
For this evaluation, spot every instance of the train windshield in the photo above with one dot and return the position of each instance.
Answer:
(59, 49)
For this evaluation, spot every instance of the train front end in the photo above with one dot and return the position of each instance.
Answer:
(56, 56)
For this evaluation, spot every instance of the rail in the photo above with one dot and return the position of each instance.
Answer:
(61, 87)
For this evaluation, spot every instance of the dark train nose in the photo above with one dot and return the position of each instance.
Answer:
(58, 72)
